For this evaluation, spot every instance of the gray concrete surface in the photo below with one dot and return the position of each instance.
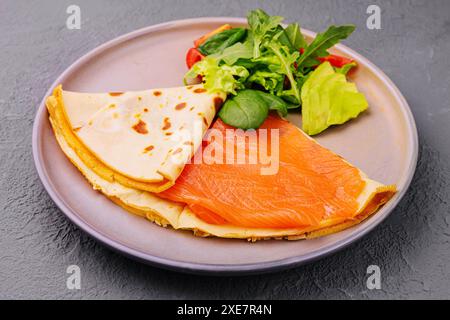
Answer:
(37, 243)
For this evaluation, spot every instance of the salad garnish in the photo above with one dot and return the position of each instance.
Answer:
(270, 67)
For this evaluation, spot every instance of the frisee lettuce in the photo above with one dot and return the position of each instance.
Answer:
(219, 78)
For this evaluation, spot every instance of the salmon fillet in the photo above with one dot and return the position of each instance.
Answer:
(311, 184)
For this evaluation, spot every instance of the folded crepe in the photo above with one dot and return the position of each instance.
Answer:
(313, 193)
(139, 139)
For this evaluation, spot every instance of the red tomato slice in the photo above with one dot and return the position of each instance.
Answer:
(336, 61)
(193, 56)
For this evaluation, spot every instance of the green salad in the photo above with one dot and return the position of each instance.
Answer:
(270, 67)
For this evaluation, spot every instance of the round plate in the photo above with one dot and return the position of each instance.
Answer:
(382, 142)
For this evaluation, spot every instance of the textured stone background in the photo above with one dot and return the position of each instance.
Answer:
(37, 242)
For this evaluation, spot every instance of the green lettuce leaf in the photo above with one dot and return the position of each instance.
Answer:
(328, 99)
(235, 52)
(219, 78)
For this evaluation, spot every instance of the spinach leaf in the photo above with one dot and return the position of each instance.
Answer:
(322, 42)
(219, 42)
(246, 110)
(249, 108)
(275, 103)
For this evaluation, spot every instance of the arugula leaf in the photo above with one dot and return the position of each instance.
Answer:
(261, 25)
(246, 110)
(218, 42)
(322, 42)
(283, 38)
(328, 99)
(246, 63)
(286, 67)
(219, 78)
(295, 36)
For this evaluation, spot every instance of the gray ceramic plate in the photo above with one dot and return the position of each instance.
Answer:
(382, 142)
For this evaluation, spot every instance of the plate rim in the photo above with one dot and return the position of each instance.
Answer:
(205, 268)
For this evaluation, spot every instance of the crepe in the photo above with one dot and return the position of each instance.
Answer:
(308, 188)
(133, 195)
(140, 139)
(178, 216)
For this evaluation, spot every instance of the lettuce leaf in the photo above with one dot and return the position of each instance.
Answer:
(235, 52)
(328, 99)
(219, 78)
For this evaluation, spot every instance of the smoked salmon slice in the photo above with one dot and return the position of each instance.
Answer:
(312, 184)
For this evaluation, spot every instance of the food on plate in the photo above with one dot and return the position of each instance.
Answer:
(313, 188)
(140, 139)
(313, 192)
(277, 62)
(219, 158)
